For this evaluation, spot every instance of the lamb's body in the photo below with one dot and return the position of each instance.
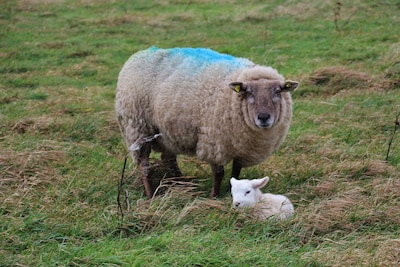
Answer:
(184, 95)
(269, 205)
(247, 193)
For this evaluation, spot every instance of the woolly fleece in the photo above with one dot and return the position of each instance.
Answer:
(183, 93)
(265, 205)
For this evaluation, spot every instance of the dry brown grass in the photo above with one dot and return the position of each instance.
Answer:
(347, 218)
(334, 79)
(29, 172)
(42, 124)
(344, 203)
(387, 252)
(366, 251)
(181, 202)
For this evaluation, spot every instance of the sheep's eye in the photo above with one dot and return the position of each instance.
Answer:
(247, 192)
(249, 93)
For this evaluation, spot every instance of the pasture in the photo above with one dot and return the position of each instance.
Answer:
(61, 152)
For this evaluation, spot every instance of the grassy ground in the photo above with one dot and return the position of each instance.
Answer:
(61, 153)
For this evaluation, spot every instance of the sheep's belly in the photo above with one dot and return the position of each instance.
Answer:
(178, 144)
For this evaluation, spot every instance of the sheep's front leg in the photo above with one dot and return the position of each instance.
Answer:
(218, 174)
(236, 168)
(144, 167)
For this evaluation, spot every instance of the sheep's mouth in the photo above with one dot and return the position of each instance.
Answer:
(264, 125)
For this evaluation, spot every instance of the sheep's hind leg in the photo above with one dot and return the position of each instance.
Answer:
(218, 174)
(144, 167)
(170, 162)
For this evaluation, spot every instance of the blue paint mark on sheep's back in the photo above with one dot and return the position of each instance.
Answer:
(203, 57)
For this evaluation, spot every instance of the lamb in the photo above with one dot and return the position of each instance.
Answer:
(202, 103)
(247, 193)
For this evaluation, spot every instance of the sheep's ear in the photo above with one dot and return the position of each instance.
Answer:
(238, 87)
(233, 180)
(259, 183)
(289, 86)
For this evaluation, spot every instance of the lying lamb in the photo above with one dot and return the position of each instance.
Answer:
(247, 193)
(193, 98)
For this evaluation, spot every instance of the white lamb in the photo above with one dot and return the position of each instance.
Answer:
(247, 193)
(199, 102)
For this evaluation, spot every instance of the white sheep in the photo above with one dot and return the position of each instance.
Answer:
(215, 106)
(247, 193)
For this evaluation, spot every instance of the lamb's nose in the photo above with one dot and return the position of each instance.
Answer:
(236, 204)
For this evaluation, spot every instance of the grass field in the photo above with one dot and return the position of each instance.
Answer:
(61, 152)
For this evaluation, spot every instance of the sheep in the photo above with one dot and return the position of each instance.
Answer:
(247, 193)
(215, 106)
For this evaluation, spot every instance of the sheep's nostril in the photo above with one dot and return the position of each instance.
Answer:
(236, 204)
(264, 117)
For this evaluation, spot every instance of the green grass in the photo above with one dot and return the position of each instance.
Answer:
(61, 152)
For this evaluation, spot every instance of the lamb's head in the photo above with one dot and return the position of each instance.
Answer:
(246, 193)
(263, 98)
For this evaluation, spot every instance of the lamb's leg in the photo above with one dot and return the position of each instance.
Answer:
(236, 168)
(218, 175)
(170, 162)
(143, 164)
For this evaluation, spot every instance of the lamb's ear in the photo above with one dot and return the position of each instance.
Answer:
(259, 183)
(233, 180)
(238, 87)
(289, 86)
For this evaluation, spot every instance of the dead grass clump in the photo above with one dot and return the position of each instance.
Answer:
(346, 205)
(386, 188)
(387, 253)
(180, 203)
(338, 254)
(326, 188)
(331, 80)
(306, 142)
(369, 250)
(338, 77)
(329, 151)
(43, 124)
(379, 168)
(334, 213)
(364, 168)
(25, 171)
(352, 210)
(196, 211)
(23, 125)
(385, 197)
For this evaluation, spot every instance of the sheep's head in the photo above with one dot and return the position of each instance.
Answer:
(263, 99)
(246, 193)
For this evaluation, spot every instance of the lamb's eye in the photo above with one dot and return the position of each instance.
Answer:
(247, 192)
